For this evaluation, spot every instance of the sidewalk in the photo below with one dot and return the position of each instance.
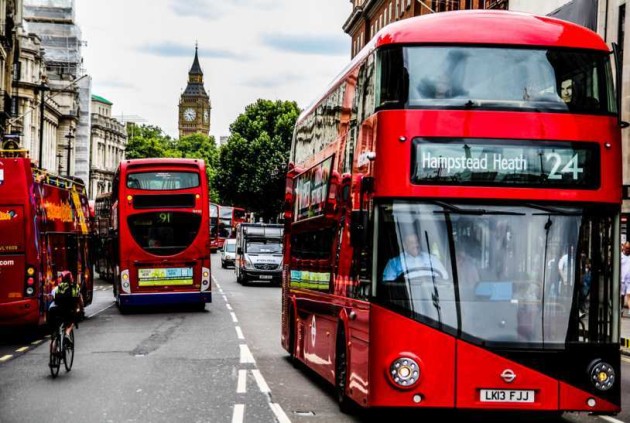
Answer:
(625, 333)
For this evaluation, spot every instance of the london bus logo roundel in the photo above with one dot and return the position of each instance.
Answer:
(508, 375)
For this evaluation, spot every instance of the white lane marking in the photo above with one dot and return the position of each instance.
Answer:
(279, 412)
(22, 349)
(234, 319)
(100, 311)
(229, 307)
(246, 354)
(241, 385)
(610, 419)
(239, 332)
(239, 413)
(260, 380)
(6, 357)
(37, 341)
(224, 298)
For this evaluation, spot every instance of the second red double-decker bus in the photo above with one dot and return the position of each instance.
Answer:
(161, 233)
(223, 223)
(452, 220)
(44, 230)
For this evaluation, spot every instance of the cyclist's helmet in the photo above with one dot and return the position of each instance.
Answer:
(66, 276)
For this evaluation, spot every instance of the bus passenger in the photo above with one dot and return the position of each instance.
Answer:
(413, 260)
(467, 268)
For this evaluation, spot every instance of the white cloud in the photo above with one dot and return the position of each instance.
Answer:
(139, 53)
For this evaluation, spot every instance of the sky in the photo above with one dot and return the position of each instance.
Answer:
(139, 52)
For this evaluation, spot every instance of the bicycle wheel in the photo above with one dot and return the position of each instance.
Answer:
(55, 354)
(68, 351)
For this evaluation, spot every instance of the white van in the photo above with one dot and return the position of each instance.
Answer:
(259, 252)
(228, 253)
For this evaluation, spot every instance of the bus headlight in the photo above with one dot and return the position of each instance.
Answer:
(404, 372)
(602, 375)
(125, 284)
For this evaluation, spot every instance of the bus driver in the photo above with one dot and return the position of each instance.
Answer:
(413, 260)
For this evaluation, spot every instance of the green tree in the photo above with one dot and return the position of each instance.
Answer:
(198, 146)
(146, 141)
(251, 167)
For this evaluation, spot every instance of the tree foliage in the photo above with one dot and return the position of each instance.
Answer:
(147, 141)
(251, 167)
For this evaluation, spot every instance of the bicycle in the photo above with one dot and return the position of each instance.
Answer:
(61, 349)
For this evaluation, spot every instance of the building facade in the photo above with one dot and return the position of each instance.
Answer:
(68, 86)
(194, 103)
(369, 16)
(108, 142)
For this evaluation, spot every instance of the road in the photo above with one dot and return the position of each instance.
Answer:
(221, 365)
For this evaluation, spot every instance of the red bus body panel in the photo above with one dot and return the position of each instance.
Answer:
(394, 180)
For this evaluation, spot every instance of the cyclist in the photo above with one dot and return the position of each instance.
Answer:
(67, 304)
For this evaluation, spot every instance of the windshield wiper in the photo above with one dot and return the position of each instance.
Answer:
(458, 210)
(551, 211)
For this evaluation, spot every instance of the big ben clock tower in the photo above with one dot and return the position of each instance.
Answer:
(194, 103)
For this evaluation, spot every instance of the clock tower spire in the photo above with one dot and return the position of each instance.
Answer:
(194, 103)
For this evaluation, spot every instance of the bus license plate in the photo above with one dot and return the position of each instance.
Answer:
(506, 395)
(266, 277)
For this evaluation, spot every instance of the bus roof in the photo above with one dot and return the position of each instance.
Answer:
(133, 163)
(475, 27)
(490, 27)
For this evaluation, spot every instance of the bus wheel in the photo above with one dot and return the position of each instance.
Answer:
(341, 372)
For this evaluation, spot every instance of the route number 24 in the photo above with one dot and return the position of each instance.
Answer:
(558, 170)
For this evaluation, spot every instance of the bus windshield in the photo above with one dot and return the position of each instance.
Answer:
(162, 180)
(554, 80)
(498, 274)
(164, 233)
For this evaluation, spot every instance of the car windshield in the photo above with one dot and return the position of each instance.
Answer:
(229, 247)
(264, 247)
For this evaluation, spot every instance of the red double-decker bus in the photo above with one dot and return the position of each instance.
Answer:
(44, 230)
(101, 246)
(452, 220)
(214, 227)
(223, 223)
(161, 233)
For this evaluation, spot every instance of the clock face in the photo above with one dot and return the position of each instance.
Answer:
(189, 114)
(206, 115)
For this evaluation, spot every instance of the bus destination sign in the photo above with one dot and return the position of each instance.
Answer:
(520, 163)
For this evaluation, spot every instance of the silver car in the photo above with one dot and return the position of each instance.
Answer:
(228, 253)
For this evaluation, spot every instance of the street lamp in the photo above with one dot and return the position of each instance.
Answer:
(69, 137)
(42, 90)
(59, 156)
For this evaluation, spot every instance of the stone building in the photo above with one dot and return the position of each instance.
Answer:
(369, 16)
(68, 86)
(108, 142)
